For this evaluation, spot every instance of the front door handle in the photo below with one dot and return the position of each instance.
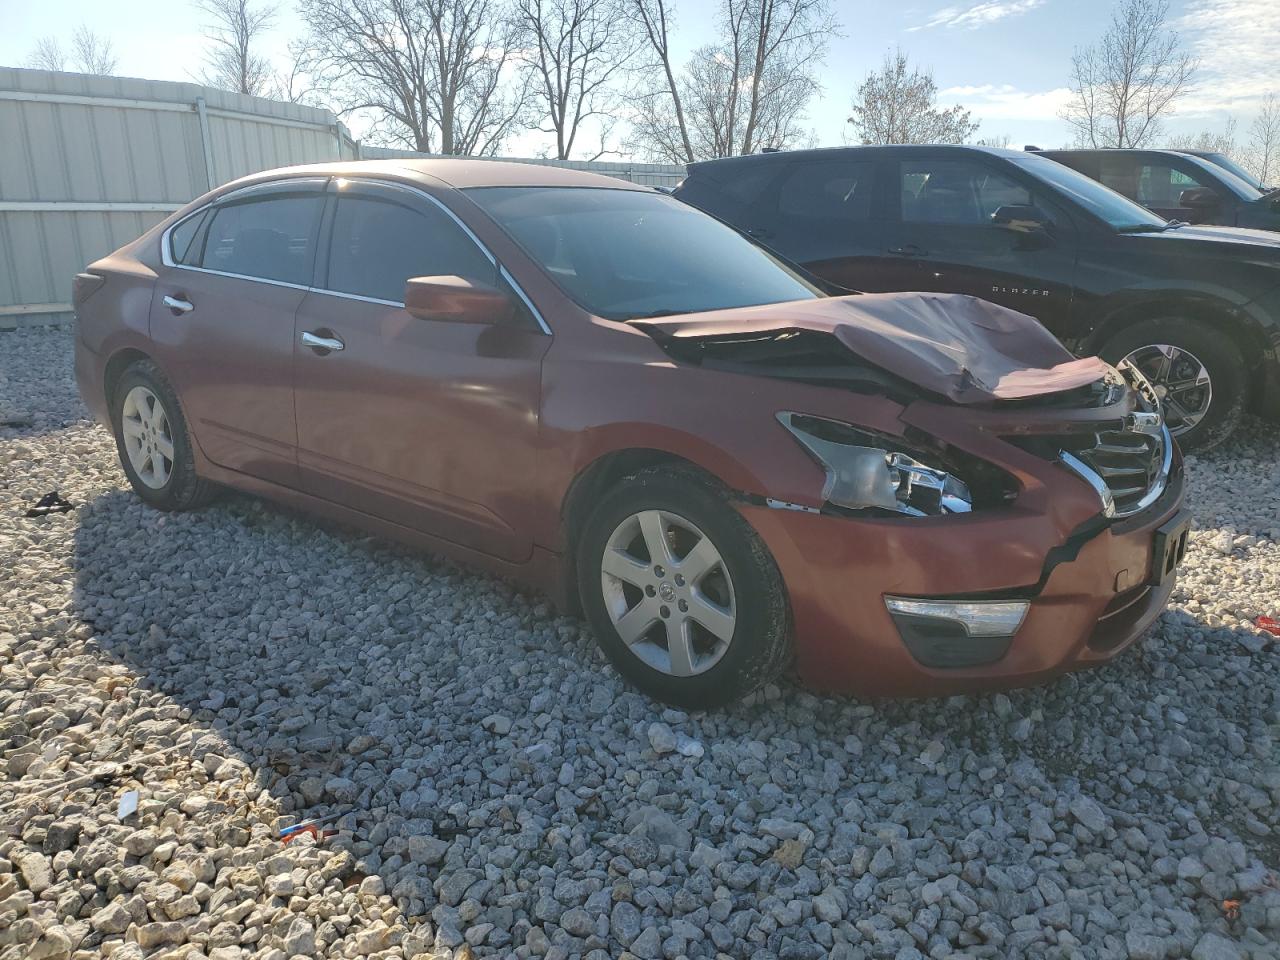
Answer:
(322, 345)
(178, 305)
(908, 250)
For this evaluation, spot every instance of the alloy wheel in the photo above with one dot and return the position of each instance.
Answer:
(1181, 382)
(668, 593)
(148, 437)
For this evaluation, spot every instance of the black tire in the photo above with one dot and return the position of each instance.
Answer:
(1221, 359)
(184, 489)
(760, 646)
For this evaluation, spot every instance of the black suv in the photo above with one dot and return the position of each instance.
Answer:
(1197, 309)
(1178, 186)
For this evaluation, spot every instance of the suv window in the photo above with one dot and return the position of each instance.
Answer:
(1152, 183)
(379, 244)
(832, 190)
(272, 238)
(955, 191)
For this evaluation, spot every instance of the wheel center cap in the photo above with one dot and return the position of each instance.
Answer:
(666, 591)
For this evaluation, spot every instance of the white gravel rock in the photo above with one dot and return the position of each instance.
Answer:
(499, 792)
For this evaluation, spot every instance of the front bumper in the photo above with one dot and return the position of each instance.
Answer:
(1088, 591)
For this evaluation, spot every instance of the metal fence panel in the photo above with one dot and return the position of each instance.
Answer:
(88, 163)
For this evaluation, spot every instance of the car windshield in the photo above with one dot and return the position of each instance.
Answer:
(1226, 163)
(1103, 202)
(629, 254)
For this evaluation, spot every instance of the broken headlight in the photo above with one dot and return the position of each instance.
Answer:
(867, 471)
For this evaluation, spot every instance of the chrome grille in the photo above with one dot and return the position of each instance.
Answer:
(1132, 466)
(1128, 466)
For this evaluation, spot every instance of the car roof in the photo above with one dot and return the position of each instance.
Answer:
(454, 172)
(837, 153)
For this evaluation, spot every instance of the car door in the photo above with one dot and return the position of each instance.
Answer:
(827, 217)
(222, 319)
(942, 236)
(426, 423)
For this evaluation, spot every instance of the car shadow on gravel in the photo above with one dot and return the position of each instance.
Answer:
(347, 673)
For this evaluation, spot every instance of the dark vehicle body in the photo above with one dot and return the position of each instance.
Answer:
(1180, 185)
(1197, 308)
(602, 392)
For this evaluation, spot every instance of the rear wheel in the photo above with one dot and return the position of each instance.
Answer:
(1197, 372)
(153, 442)
(681, 593)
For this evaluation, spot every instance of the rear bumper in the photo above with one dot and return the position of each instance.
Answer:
(89, 372)
(1089, 596)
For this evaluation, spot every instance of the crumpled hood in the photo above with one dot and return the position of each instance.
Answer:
(964, 348)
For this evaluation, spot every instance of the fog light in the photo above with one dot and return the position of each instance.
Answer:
(957, 633)
(980, 618)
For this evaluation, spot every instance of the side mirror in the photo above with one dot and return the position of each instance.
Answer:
(1021, 218)
(1204, 198)
(456, 300)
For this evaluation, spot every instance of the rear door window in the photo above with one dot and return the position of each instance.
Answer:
(955, 191)
(830, 191)
(271, 238)
(378, 244)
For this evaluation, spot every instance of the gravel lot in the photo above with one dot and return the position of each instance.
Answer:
(505, 794)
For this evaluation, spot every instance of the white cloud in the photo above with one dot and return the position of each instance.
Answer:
(977, 14)
(1004, 101)
(1238, 42)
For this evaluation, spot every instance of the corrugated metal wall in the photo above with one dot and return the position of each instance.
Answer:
(648, 174)
(88, 163)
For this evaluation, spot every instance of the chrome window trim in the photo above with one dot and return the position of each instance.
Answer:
(167, 259)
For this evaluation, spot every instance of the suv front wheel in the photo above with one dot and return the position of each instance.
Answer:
(1198, 373)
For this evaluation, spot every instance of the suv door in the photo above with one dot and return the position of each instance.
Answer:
(829, 219)
(222, 321)
(429, 424)
(941, 235)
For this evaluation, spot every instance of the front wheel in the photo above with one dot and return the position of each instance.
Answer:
(681, 593)
(1198, 374)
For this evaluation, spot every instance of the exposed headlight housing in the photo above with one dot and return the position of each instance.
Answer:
(866, 471)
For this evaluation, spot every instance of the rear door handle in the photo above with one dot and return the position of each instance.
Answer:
(908, 250)
(178, 305)
(322, 345)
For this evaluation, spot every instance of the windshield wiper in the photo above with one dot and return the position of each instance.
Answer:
(654, 314)
(1143, 228)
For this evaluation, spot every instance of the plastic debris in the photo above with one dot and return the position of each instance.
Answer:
(313, 827)
(1269, 624)
(128, 805)
(51, 502)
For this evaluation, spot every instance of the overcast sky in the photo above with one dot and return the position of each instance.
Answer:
(1006, 60)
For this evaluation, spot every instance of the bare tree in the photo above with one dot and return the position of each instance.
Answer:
(438, 75)
(574, 50)
(660, 111)
(236, 28)
(747, 90)
(1122, 86)
(1223, 142)
(898, 104)
(90, 53)
(1001, 140)
(1264, 140)
(48, 55)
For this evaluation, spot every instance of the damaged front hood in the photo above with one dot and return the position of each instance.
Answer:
(963, 348)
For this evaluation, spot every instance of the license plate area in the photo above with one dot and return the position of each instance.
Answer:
(1168, 547)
